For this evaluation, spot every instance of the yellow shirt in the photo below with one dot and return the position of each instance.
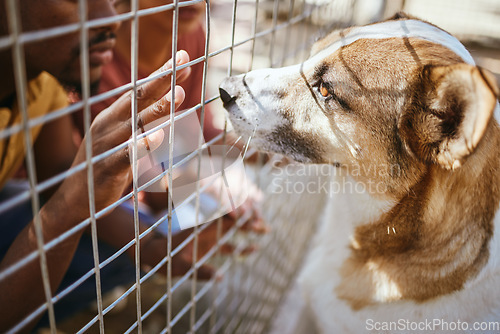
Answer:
(44, 95)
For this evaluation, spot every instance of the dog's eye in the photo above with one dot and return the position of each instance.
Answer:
(323, 90)
(329, 95)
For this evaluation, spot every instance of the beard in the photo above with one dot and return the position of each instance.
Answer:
(74, 90)
(70, 79)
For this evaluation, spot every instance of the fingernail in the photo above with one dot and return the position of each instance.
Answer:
(168, 96)
(167, 66)
(155, 139)
(178, 57)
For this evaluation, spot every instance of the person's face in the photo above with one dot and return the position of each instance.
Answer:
(60, 55)
(189, 16)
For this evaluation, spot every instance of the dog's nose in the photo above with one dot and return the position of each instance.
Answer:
(225, 96)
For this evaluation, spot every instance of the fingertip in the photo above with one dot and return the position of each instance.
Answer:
(155, 139)
(182, 57)
(183, 74)
(227, 249)
(180, 95)
(249, 250)
(205, 272)
(260, 226)
(167, 66)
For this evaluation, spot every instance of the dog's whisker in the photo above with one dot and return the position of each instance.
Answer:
(246, 147)
(248, 142)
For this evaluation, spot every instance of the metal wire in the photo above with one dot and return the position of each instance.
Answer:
(252, 288)
(84, 63)
(200, 143)
(170, 166)
(134, 116)
(20, 78)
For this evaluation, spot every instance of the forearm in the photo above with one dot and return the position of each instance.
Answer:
(117, 229)
(22, 291)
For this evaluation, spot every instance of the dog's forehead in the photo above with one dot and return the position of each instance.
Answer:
(404, 29)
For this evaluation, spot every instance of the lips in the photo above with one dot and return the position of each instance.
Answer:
(101, 53)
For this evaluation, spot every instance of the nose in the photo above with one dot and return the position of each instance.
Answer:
(225, 96)
(101, 9)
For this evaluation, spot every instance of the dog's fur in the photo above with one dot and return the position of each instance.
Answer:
(408, 119)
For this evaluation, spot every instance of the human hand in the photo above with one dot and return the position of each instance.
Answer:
(111, 128)
(154, 249)
(208, 239)
(22, 290)
(247, 217)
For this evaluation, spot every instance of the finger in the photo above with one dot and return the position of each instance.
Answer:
(181, 57)
(148, 144)
(259, 226)
(152, 141)
(257, 223)
(205, 272)
(161, 108)
(254, 221)
(240, 210)
(182, 75)
(228, 222)
(249, 250)
(228, 249)
(151, 91)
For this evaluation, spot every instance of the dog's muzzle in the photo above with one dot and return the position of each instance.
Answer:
(225, 96)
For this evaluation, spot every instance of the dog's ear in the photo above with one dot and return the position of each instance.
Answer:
(449, 114)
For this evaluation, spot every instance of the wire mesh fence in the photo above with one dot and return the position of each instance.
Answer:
(111, 287)
(246, 289)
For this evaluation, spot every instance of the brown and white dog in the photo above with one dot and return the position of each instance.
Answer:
(400, 109)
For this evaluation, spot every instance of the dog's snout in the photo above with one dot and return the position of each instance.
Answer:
(225, 96)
